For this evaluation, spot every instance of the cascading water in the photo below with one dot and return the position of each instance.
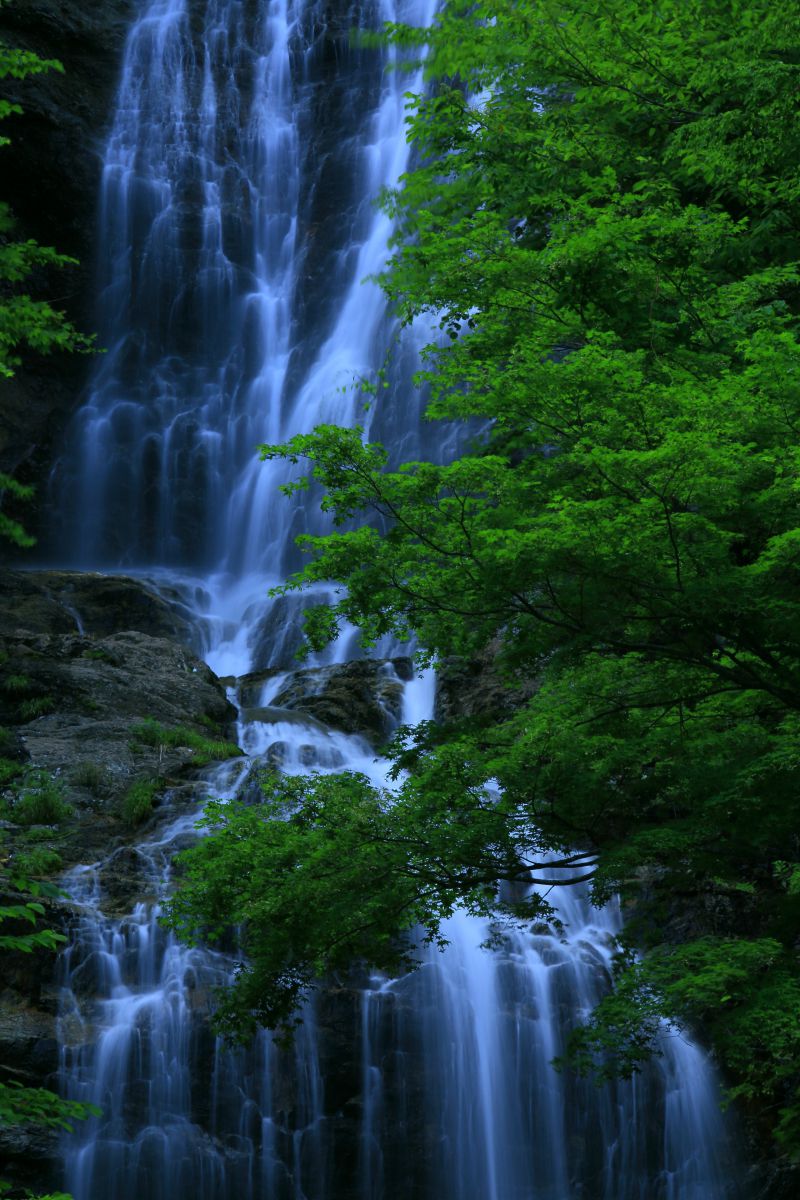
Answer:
(436, 1084)
(235, 228)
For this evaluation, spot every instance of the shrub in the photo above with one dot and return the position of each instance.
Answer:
(98, 654)
(92, 776)
(139, 800)
(37, 799)
(39, 860)
(16, 684)
(9, 770)
(37, 706)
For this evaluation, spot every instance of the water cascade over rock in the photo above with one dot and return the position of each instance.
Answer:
(235, 227)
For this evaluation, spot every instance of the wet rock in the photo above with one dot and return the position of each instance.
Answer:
(362, 697)
(30, 1157)
(250, 687)
(271, 715)
(90, 603)
(477, 687)
(28, 1046)
(124, 880)
(71, 701)
(277, 754)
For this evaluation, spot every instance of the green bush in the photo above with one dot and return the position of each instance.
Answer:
(98, 654)
(9, 770)
(37, 799)
(37, 706)
(40, 860)
(34, 835)
(92, 776)
(139, 800)
(16, 684)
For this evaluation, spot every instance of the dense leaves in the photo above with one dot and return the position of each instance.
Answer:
(602, 233)
(327, 870)
(24, 320)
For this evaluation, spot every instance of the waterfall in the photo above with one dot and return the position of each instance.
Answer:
(235, 228)
(435, 1084)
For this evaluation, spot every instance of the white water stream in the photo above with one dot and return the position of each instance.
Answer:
(235, 228)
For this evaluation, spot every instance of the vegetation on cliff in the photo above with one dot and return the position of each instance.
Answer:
(25, 321)
(603, 228)
(21, 912)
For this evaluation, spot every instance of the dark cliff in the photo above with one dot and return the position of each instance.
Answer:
(50, 176)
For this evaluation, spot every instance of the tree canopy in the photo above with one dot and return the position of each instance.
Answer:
(602, 231)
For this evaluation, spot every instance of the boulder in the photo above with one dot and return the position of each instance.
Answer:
(478, 687)
(88, 602)
(362, 697)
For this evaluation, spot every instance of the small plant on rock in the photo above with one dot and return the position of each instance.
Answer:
(36, 799)
(204, 750)
(9, 770)
(92, 776)
(17, 684)
(36, 706)
(98, 654)
(139, 801)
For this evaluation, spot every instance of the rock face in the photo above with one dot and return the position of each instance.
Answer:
(74, 689)
(362, 697)
(87, 602)
(476, 687)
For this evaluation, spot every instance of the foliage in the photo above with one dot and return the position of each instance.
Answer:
(36, 706)
(366, 862)
(601, 231)
(25, 321)
(27, 907)
(92, 776)
(35, 798)
(38, 860)
(745, 991)
(22, 907)
(10, 769)
(38, 1106)
(35, 324)
(139, 800)
(205, 750)
(5, 1188)
(10, 529)
(98, 654)
(29, 704)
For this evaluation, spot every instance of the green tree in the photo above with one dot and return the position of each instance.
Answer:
(22, 909)
(24, 320)
(603, 231)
